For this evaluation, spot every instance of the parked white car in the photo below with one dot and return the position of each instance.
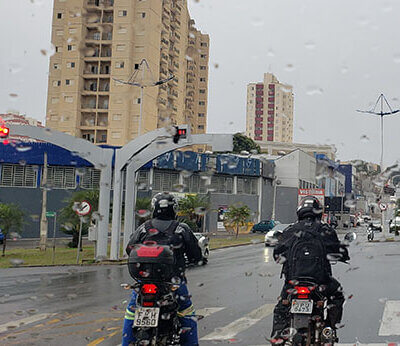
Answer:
(204, 243)
(271, 238)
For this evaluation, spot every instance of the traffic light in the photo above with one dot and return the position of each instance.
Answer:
(4, 131)
(180, 133)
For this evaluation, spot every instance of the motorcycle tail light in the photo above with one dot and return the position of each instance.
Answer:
(148, 304)
(149, 289)
(302, 291)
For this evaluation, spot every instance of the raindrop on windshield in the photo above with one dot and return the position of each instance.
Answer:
(310, 45)
(364, 139)
(314, 90)
(396, 58)
(23, 149)
(257, 22)
(289, 68)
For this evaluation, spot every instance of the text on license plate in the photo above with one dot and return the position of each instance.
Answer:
(301, 306)
(146, 317)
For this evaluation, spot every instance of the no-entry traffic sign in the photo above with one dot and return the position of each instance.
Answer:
(84, 208)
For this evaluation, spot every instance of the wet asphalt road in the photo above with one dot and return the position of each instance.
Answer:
(85, 305)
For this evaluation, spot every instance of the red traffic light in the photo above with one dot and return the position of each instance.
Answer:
(4, 132)
(182, 132)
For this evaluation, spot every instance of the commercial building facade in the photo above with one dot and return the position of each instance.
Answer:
(225, 179)
(269, 113)
(98, 42)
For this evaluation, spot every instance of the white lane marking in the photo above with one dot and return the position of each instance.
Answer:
(391, 319)
(205, 312)
(24, 321)
(241, 324)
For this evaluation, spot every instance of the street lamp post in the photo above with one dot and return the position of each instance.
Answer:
(276, 182)
(137, 81)
(382, 101)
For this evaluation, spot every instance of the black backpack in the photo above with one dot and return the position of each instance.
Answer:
(307, 255)
(162, 237)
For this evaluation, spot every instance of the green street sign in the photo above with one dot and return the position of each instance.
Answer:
(50, 213)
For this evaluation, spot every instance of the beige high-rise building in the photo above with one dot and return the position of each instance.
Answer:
(98, 41)
(269, 114)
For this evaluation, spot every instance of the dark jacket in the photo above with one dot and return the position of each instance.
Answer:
(183, 241)
(329, 237)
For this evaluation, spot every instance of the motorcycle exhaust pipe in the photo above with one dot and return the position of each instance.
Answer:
(327, 333)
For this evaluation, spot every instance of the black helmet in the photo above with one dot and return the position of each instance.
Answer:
(309, 207)
(164, 206)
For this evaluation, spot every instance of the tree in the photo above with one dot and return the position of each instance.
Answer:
(70, 221)
(143, 209)
(238, 216)
(11, 220)
(192, 209)
(244, 143)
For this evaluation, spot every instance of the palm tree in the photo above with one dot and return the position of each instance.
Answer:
(237, 216)
(70, 220)
(192, 210)
(11, 220)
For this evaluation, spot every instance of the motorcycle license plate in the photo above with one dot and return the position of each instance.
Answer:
(146, 317)
(301, 306)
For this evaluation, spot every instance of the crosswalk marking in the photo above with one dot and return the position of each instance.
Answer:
(391, 319)
(241, 324)
(205, 312)
(24, 321)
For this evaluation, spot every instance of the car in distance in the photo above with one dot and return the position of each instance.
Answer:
(264, 226)
(204, 243)
(272, 236)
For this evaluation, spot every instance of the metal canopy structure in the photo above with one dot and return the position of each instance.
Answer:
(101, 158)
(136, 154)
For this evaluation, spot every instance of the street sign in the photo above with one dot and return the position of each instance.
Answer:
(383, 206)
(50, 213)
(319, 193)
(84, 208)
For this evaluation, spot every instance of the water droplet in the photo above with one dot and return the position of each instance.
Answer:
(314, 90)
(257, 22)
(396, 58)
(43, 51)
(364, 139)
(216, 65)
(270, 53)
(344, 70)
(23, 149)
(15, 68)
(13, 95)
(309, 45)
(289, 68)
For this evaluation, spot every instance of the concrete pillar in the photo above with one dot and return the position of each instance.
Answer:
(130, 203)
(116, 218)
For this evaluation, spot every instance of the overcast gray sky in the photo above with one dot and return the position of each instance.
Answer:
(339, 56)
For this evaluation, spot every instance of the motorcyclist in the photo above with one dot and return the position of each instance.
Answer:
(309, 215)
(184, 242)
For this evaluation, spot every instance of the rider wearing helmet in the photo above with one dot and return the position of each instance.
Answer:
(184, 244)
(309, 214)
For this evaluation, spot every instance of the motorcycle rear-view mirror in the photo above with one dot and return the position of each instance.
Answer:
(351, 236)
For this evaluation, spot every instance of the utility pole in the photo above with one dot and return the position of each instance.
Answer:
(137, 81)
(43, 218)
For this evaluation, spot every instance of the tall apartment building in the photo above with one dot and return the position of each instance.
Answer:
(269, 114)
(99, 40)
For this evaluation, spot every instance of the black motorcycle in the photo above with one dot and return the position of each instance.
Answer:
(308, 316)
(156, 320)
(370, 233)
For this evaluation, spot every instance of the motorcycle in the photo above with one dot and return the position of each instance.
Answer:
(156, 320)
(308, 316)
(370, 233)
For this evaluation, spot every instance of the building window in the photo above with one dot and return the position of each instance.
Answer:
(56, 83)
(90, 179)
(119, 64)
(120, 47)
(60, 32)
(143, 14)
(67, 82)
(61, 177)
(202, 91)
(202, 103)
(116, 134)
(72, 30)
(200, 127)
(117, 117)
(18, 176)
(203, 44)
(122, 30)
(123, 13)
(203, 67)
(59, 15)
(139, 49)
(201, 115)
(59, 49)
(56, 66)
(54, 100)
(202, 79)
(68, 99)
(70, 65)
